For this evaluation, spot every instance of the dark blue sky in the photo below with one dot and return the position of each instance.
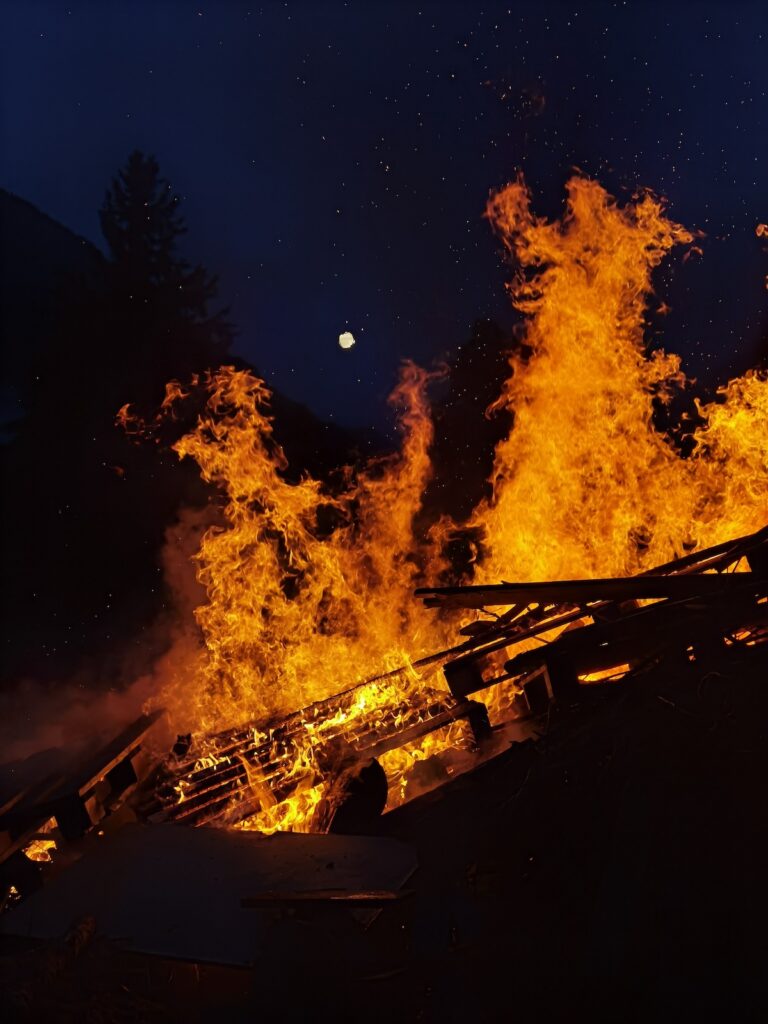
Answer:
(335, 158)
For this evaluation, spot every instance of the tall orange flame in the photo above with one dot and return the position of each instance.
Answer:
(584, 485)
(307, 591)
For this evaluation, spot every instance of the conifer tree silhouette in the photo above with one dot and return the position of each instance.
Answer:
(150, 282)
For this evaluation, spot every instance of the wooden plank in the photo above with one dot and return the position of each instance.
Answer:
(174, 891)
(717, 556)
(102, 761)
(345, 897)
(64, 795)
(419, 729)
(581, 592)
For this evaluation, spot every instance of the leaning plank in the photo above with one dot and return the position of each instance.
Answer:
(75, 797)
(369, 897)
(582, 592)
(752, 547)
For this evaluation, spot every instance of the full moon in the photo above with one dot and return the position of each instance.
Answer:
(347, 339)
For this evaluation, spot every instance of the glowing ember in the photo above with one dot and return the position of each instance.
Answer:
(40, 850)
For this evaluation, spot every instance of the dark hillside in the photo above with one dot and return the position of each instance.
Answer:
(38, 259)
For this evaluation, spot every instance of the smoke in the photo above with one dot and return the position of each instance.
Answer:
(90, 708)
(72, 715)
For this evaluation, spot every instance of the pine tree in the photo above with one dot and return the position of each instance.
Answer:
(141, 223)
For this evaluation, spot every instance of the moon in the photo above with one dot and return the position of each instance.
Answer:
(346, 339)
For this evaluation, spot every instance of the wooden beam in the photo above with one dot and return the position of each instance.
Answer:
(582, 592)
(345, 897)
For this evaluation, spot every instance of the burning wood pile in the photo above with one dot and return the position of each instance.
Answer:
(586, 632)
(303, 587)
(552, 640)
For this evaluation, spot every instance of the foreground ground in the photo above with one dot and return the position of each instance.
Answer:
(614, 870)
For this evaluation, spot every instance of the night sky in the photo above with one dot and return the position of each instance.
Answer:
(335, 158)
